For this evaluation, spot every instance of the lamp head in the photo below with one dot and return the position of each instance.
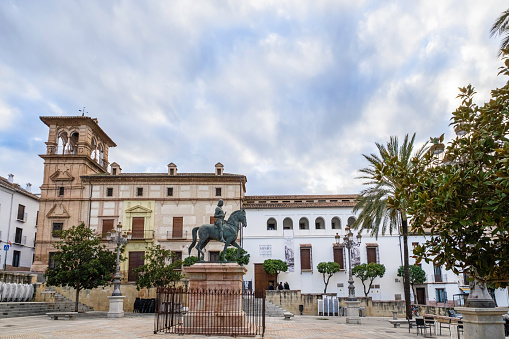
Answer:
(119, 227)
(337, 237)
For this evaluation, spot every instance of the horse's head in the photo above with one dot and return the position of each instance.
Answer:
(239, 216)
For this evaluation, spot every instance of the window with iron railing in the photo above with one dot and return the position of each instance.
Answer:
(170, 235)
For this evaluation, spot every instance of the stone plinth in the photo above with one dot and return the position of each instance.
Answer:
(116, 306)
(482, 323)
(352, 312)
(215, 299)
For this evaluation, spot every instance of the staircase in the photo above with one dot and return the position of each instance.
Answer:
(27, 309)
(272, 310)
(24, 309)
(250, 306)
(63, 304)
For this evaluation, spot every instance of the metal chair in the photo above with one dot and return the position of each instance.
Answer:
(429, 319)
(422, 326)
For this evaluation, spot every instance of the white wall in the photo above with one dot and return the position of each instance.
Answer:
(389, 250)
(9, 210)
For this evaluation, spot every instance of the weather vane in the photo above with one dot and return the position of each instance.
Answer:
(82, 111)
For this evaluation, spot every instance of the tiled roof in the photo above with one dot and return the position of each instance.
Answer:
(299, 201)
(15, 187)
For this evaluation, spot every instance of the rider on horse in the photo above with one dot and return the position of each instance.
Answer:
(219, 223)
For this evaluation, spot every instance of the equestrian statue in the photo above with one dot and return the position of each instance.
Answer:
(219, 231)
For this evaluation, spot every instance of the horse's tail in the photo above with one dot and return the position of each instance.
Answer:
(195, 230)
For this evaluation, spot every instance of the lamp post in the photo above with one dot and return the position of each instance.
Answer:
(352, 304)
(117, 237)
(349, 243)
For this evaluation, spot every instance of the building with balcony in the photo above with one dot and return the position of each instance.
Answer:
(301, 230)
(18, 225)
(158, 208)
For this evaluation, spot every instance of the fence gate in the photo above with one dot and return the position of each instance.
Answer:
(209, 312)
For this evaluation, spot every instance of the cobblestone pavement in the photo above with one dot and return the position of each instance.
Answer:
(96, 325)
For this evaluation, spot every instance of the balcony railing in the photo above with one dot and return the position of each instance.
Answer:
(176, 235)
(142, 235)
(436, 278)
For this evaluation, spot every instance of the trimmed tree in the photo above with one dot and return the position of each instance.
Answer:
(417, 276)
(231, 255)
(275, 266)
(384, 205)
(81, 261)
(462, 198)
(191, 260)
(328, 269)
(368, 272)
(159, 270)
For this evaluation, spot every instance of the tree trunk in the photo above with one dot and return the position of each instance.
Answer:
(77, 299)
(406, 276)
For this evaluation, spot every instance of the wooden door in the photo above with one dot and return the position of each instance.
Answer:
(138, 227)
(421, 296)
(262, 280)
(135, 261)
(178, 225)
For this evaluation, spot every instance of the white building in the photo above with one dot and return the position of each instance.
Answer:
(301, 230)
(19, 210)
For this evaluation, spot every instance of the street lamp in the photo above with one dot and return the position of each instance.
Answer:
(119, 238)
(349, 243)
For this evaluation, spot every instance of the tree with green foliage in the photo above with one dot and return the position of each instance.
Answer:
(384, 205)
(461, 196)
(81, 262)
(275, 266)
(417, 276)
(190, 260)
(328, 269)
(231, 255)
(368, 272)
(501, 27)
(159, 269)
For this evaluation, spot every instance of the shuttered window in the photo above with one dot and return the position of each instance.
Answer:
(138, 227)
(135, 261)
(372, 255)
(305, 258)
(339, 256)
(178, 224)
(107, 226)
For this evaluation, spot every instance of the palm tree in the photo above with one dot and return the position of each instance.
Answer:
(384, 204)
(501, 27)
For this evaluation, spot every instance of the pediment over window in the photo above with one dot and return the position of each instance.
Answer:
(58, 211)
(138, 209)
(61, 176)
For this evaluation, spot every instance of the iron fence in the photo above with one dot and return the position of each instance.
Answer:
(209, 312)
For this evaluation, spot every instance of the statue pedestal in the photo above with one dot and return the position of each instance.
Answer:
(215, 300)
(116, 306)
(482, 323)
(352, 312)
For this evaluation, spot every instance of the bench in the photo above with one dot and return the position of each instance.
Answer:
(288, 315)
(398, 322)
(65, 315)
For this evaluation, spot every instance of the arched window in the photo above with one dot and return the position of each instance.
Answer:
(100, 150)
(72, 147)
(336, 223)
(303, 224)
(62, 142)
(288, 224)
(271, 224)
(320, 223)
(94, 149)
(350, 222)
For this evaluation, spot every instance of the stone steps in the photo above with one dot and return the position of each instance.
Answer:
(271, 310)
(27, 309)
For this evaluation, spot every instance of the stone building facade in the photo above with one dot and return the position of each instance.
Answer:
(158, 208)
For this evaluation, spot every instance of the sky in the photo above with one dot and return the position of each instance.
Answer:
(289, 93)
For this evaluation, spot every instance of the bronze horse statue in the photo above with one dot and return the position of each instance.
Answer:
(209, 232)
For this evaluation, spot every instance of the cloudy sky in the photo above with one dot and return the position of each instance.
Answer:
(289, 93)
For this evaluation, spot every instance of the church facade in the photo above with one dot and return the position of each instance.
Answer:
(158, 208)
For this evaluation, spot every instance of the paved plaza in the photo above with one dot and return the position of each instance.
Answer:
(96, 325)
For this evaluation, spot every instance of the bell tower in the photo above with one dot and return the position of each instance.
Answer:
(76, 146)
